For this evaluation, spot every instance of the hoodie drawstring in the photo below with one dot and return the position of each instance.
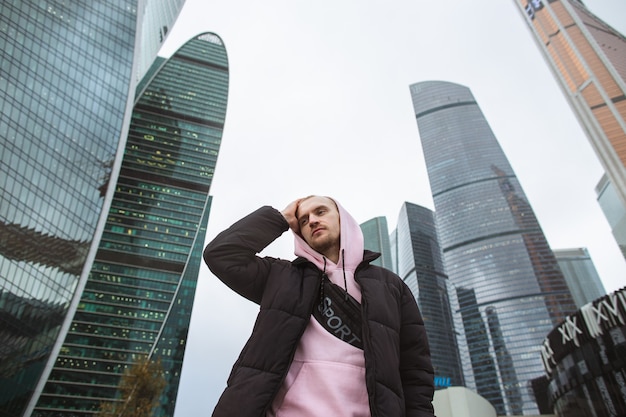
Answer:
(324, 276)
(343, 267)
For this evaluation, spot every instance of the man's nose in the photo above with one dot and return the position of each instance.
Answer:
(313, 220)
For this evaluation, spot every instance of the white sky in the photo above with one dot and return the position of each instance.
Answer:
(319, 103)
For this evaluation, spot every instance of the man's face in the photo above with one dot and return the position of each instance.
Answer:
(318, 219)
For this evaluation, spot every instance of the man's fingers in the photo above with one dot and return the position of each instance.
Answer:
(290, 215)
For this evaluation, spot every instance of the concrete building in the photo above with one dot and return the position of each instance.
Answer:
(462, 402)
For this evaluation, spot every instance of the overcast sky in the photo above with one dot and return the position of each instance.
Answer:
(319, 103)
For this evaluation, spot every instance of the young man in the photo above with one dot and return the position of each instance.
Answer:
(334, 336)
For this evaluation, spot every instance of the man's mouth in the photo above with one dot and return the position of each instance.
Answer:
(317, 230)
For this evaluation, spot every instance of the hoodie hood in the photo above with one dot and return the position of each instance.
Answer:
(350, 252)
(351, 243)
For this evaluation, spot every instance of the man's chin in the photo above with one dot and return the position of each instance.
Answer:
(321, 247)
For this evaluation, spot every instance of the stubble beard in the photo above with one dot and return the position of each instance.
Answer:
(325, 245)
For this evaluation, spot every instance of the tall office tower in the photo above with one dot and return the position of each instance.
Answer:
(138, 298)
(588, 59)
(580, 274)
(67, 94)
(376, 238)
(158, 17)
(614, 211)
(507, 291)
(418, 261)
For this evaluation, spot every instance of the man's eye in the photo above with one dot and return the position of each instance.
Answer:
(302, 222)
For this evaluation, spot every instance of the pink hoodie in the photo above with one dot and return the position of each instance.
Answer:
(327, 375)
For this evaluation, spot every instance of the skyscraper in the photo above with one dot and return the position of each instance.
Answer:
(588, 59)
(67, 93)
(614, 210)
(506, 288)
(158, 18)
(417, 259)
(580, 274)
(376, 238)
(584, 360)
(66, 76)
(138, 298)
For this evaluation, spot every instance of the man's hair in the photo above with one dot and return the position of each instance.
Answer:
(313, 195)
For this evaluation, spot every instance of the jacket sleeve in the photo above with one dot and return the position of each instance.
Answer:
(416, 368)
(232, 255)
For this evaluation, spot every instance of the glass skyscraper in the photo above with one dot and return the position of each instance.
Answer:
(614, 210)
(66, 77)
(158, 18)
(506, 289)
(580, 274)
(417, 259)
(138, 298)
(376, 238)
(588, 59)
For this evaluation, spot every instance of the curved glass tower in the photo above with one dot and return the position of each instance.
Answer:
(66, 82)
(506, 288)
(138, 298)
(66, 76)
(418, 261)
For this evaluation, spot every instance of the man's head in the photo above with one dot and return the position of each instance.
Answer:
(319, 222)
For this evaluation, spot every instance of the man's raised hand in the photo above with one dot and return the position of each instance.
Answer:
(290, 215)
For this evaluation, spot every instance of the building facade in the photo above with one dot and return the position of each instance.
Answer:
(66, 79)
(66, 74)
(417, 259)
(158, 19)
(461, 402)
(506, 288)
(585, 360)
(139, 295)
(614, 210)
(580, 274)
(588, 59)
(376, 238)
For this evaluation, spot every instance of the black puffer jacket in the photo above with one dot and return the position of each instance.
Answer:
(399, 373)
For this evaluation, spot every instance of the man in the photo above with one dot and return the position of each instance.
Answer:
(335, 336)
